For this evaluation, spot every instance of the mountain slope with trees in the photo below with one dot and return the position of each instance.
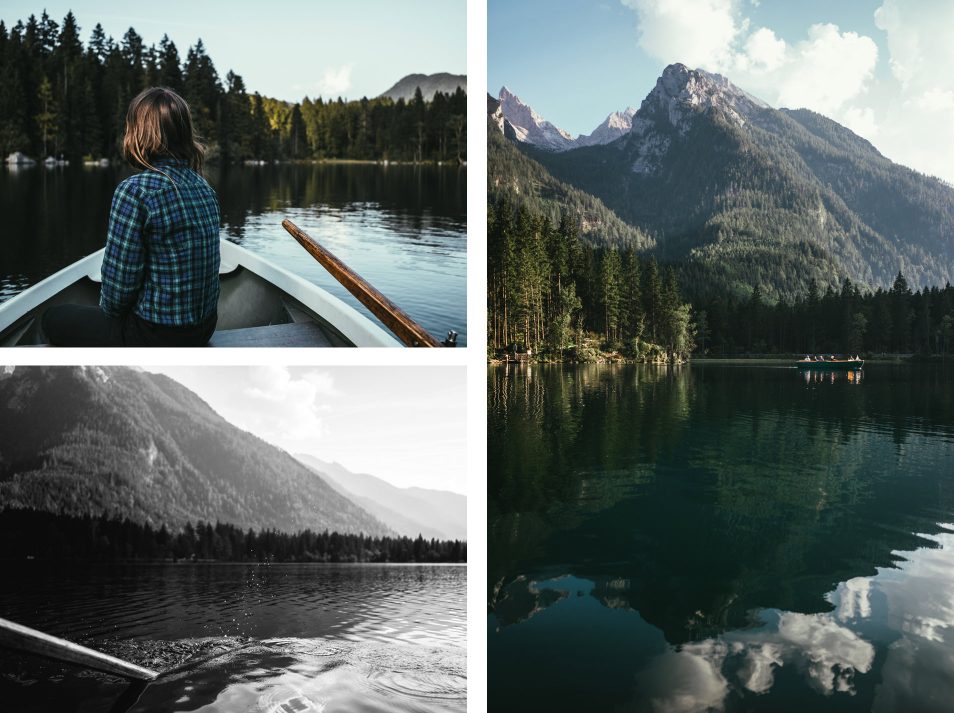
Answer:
(513, 174)
(92, 440)
(752, 195)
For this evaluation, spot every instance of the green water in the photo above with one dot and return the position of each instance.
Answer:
(720, 537)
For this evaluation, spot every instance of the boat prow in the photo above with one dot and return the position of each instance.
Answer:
(260, 305)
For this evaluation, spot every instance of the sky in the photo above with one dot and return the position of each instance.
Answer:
(406, 425)
(883, 68)
(288, 48)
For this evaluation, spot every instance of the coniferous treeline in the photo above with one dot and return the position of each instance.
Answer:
(547, 289)
(45, 535)
(894, 320)
(60, 98)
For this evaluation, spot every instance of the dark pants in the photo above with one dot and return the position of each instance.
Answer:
(85, 326)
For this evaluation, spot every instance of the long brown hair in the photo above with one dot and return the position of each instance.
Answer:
(159, 125)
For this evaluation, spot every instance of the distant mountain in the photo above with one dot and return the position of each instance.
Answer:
(529, 127)
(514, 175)
(89, 440)
(520, 122)
(741, 194)
(408, 511)
(617, 124)
(430, 84)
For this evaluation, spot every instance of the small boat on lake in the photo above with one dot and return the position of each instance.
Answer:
(260, 305)
(832, 364)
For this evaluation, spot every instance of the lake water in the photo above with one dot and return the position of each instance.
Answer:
(719, 537)
(403, 228)
(270, 638)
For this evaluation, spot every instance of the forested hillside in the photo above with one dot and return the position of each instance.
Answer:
(747, 194)
(61, 98)
(91, 440)
(785, 231)
(521, 179)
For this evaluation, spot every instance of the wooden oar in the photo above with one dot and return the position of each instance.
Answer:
(393, 317)
(23, 638)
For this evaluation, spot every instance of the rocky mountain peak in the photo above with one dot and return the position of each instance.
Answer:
(529, 126)
(680, 92)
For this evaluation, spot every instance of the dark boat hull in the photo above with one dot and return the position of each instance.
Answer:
(846, 365)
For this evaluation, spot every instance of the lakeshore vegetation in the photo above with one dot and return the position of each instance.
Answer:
(63, 99)
(549, 290)
(566, 298)
(52, 536)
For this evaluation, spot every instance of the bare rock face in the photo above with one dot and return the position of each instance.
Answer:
(680, 93)
(529, 127)
(615, 126)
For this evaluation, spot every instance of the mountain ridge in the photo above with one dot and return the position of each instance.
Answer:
(429, 84)
(744, 194)
(410, 511)
(92, 440)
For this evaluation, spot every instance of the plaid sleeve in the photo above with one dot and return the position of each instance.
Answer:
(125, 257)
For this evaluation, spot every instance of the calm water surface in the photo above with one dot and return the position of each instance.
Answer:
(403, 228)
(721, 538)
(276, 638)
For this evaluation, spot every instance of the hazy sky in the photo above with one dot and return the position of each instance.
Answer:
(881, 67)
(405, 425)
(289, 48)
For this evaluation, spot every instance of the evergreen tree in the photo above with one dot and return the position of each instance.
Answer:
(610, 281)
(170, 69)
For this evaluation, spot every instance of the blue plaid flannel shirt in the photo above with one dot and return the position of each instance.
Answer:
(162, 248)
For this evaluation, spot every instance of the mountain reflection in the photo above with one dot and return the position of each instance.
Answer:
(720, 538)
(902, 618)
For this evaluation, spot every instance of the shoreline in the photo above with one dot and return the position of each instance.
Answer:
(178, 563)
(253, 163)
(783, 360)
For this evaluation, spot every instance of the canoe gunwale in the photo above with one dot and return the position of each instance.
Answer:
(355, 327)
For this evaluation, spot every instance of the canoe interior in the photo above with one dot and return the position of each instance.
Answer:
(252, 313)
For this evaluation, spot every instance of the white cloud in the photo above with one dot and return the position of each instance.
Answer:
(686, 681)
(915, 124)
(698, 33)
(335, 81)
(822, 72)
(764, 51)
(831, 652)
(830, 69)
(283, 408)
(825, 71)
(919, 38)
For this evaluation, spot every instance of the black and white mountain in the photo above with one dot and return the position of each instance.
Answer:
(429, 84)
(95, 440)
(408, 511)
(730, 187)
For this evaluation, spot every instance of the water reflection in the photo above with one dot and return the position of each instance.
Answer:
(718, 537)
(401, 227)
(852, 376)
(248, 637)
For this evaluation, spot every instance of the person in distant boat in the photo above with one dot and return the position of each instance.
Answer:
(160, 275)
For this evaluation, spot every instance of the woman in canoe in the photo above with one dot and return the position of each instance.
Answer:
(161, 266)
